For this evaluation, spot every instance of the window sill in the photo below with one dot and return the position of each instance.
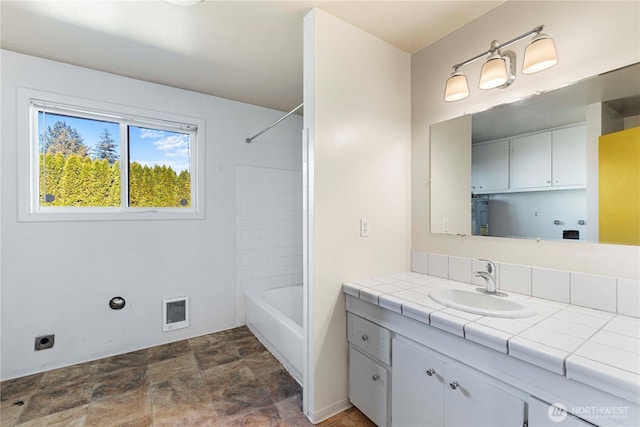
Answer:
(110, 215)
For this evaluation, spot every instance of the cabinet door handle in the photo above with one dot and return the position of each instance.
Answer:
(365, 337)
(454, 385)
(376, 377)
(430, 372)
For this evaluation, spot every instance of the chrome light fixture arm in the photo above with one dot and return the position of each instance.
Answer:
(499, 68)
(496, 45)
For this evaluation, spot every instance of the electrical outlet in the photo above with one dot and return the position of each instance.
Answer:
(364, 227)
(44, 342)
(445, 225)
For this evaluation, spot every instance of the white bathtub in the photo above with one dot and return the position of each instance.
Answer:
(275, 317)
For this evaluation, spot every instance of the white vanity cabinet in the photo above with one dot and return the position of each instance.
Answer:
(368, 386)
(369, 360)
(404, 372)
(417, 385)
(430, 391)
(542, 414)
(490, 166)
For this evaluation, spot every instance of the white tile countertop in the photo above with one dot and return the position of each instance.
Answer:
(594, 347)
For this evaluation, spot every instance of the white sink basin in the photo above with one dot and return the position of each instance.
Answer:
(482, 303)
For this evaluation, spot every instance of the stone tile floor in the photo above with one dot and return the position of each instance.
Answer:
(223, 379)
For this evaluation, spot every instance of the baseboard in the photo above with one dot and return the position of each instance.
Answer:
(329, 411)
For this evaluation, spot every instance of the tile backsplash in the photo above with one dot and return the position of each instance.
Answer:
(606, 293)
(551, 284)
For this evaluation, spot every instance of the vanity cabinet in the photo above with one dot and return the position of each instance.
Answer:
(430, 391)
(369, 360)
(404, 372)
(541, 416)
(368, 386)
(418, 387)
(490, 166)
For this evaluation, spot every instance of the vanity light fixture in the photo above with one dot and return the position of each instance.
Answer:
(457, 87)
(499, 68)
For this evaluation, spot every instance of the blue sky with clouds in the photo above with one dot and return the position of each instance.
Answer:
(146, 146)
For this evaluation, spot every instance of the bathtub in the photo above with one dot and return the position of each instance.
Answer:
(275, 317)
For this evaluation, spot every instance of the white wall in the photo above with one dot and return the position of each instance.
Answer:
(57, 277)
(357, 110)
(585, 33)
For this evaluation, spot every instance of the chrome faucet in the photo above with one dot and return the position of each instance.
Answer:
(489, 276)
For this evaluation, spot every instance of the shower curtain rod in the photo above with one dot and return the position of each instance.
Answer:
(248, 140)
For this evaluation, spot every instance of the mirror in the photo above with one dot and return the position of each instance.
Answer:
(537, 168)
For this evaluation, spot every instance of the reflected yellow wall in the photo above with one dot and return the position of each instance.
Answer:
(619, 181)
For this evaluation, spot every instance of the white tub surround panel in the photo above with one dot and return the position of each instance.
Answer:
(268, 230)
(561, 338)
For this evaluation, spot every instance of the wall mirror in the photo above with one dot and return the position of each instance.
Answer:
(560, 165)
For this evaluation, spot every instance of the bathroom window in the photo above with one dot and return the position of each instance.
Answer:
(88, 163)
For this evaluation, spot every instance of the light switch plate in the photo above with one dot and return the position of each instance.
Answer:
(364, 227)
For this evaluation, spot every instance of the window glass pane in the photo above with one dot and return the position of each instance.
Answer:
(78, 161)
(159, 168)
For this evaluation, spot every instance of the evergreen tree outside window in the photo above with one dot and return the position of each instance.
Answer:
(97, 162)
(164, 157)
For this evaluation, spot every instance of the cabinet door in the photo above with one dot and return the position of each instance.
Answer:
(570, 156)
(368, 387)
(472, 401)
(417, 381)
(531, 161)
(541, 416)
(490, 166)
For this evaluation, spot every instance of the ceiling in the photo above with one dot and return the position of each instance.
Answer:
(248, 51)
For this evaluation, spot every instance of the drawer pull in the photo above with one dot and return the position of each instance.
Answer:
(454, 385)
(365, 338)
(430, 372)
(376, 377)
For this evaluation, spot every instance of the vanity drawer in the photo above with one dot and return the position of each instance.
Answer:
(369, 337)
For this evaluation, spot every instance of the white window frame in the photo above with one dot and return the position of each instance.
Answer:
(31, 101)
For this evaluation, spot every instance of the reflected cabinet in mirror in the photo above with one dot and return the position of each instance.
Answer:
(561, 165)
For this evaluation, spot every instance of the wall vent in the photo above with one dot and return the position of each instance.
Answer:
(175, 313)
